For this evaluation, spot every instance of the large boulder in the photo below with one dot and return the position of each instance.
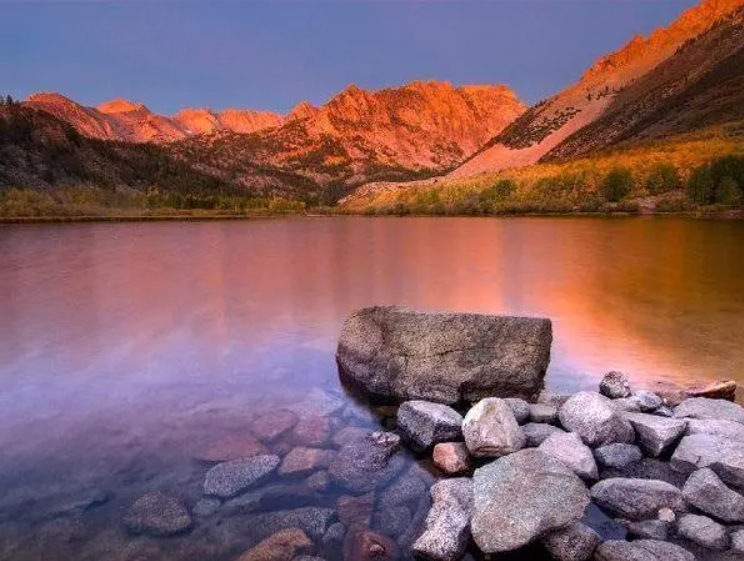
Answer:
(522, 497)
(705, 408)
(724, 457)
(490, 429)
(656, 434)
(397, 354)
(730, 430)
(593, 417)
(576, 542)
(705, 491)
(636, 499)
(703, 531)
(641, 550)
(568, 448)
(425, 424)
(448, 524)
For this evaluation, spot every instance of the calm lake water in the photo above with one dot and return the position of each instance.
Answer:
(128, 352)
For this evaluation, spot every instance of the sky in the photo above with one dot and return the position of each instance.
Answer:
(271, 54)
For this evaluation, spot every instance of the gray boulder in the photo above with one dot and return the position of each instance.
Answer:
(641, 550)
(569, 449)
(490, 429)
(575, 542)
(447, 529)
(314, 521)
(542, 413)
(730, 430)
(157, 514)
(424, 424)
(593, 417)
(647, 401)
(737, 541)
(656, 434)
(627, 404)
(703, 531)
(724, 457)
(706, 408)
(228, 479)
(705, 491)
(649, 529)
(395, 354)
(522, 497)
(367, 463)
(520, 408)
(537, 433)
(618, 455)
(615, 385)
(636, 499)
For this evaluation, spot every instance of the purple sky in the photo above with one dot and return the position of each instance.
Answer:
(270, 54)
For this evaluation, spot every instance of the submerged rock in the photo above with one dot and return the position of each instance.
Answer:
(703, 531)
(615, 385)
(576, 542)
(365, 545)
(366, 464)
(636, 499)
(447, 530)
(158, 514)
(522, 497)
(396, 354)
(425, 424)
(490, 429)
(593, 417)
(303, 460)
(314, 521)
(285, 545)
(271, 425)
(231, 478)
(232, 447)
(705, 491)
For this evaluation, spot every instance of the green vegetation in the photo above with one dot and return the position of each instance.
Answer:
(617, 184)
(720, 181)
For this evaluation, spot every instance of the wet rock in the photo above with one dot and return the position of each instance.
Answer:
(356, 510)
(394, 522)
(724, 457)
(452, 457)
(425, 424)
(308, 558)
(334, 536)
(231, 478)
(705, 491)
(729, 430)
(575, 542)
(206, 506)
(393, 353)
(705, 408)
(537, 433)
(232, 447)
(348, 435)
(270, 426)
(520, 497)
(636, 499)
(642, 550)
(541, 413)
(519, 408)
(490, 429)
(282, 546)
(647, 401)
(649, 529)
(618, 456)
(737, 541)
(305, 460)
(157, 514)
(615, 385)
(366, 464)
(363, 545)
(409, 488)
(703, 531)
(447, 527)
(319, 481)
(569, 449)
(313, 432)
(314, 521)
(593, 417)
(317, 403)
(656, 434)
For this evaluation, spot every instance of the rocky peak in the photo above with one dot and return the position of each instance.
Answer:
(302, 110)
(121, 106)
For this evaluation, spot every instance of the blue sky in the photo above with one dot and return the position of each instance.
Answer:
(271, 54)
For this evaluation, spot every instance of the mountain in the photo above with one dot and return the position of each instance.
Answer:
(645, 73)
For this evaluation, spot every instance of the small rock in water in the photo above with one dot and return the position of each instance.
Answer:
(285, 545)
(541, 413)
(303, 460)
(348, 435)
(705, 491)
(575, 542)
(703, 531)
(705, 408)
(232, 447)
(615, 385)
(334, 536)
(394, 522)
(365, 545)
(314, 521)
(356, 510)
(569, 449)
(158, 514)
(520, 408)
(642, 550)
(636, 499)
(206, 506)
(366, 464)
(425, 424)
(593, 417)
(656, 434)
(452, 457)
(231, 478)
(317, 403)
(270, 426)
(312, 432)
(490, 429)
(537, 433)
(408, 488)
(647, 401)
(448, 524)
(319, 481)
(618, 456)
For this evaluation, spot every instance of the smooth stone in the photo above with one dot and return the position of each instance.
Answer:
(703, 531)
(523, 496)
(724, 457)
(705, 408)
(366, 464)
(348, 435)
(395, 354)
(452, 457)
(424, 424)
(231, 478)
(576, 542)
(303, 460)
(729, 430)
(282, 546)
(206, 506)
(490, 429)
(157, 514)
(593, 417)
(447, 527)
(520, 408)
(615, 385)
(569, 449)
(232, 447)
(636, 499)
(270, 426)
(705, 491)
(649, 529)
(641, 550)
(356, 510)
(618, 456)
(314, 521)
(312, 432)
(656, 434)
(537, 433)
(541, 413)
(647, 401)
(365, 545)
(737, 541)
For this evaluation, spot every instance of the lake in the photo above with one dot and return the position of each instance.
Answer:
(133, 355)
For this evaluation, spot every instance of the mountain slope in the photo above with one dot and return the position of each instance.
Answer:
(547, 125)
